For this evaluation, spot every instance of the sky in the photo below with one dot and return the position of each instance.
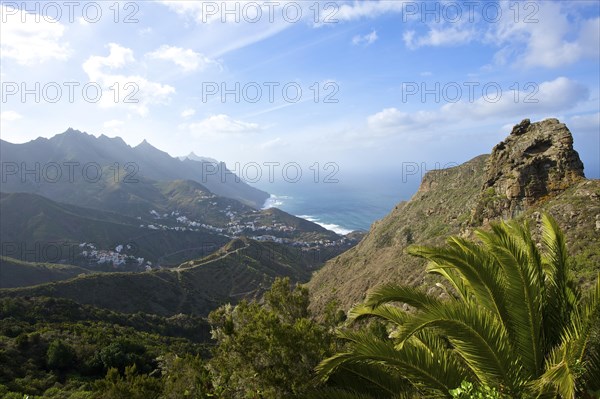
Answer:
(339, 90)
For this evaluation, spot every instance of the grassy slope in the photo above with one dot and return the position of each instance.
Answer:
(442, 207)
(244, 268)
(29, 220)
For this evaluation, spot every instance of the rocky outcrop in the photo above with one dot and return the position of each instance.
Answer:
(535, 161)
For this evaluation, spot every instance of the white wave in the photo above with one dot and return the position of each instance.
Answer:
(335, 228)
(277, 200)
(329, 226)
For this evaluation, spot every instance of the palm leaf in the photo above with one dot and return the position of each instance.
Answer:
(476, 336)
(386, 312)
(524, 279)
(439, 372)
(477, 271)
(560, 295)
(390, 293)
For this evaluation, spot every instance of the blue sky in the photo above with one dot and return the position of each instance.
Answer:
(372, 58)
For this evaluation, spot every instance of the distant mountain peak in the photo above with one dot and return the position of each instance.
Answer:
(193, 157)
(146, 146)
(71, 132)
(116, 139)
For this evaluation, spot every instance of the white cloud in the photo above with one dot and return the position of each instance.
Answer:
(186, 113)
(586, 122)
(392, 120)
(368, 9)
(452, 36)
(240, 11)
(546, 98)
(117, 58)
(145, 32)
(33, 41)
(549, 98)
(220, 124)
(267, 145)
(367, 39)
(221, 32)
(187, 59)
(134, 91)
(542, 34)
(9, 116)
(556, 37)
(195, 9)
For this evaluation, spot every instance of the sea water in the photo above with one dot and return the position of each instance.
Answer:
(341, 207)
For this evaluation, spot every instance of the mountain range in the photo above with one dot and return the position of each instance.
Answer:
(49, 167)
(96, 202)
(132, 229)
(214, 249)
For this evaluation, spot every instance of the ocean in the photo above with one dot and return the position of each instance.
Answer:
(342, 208)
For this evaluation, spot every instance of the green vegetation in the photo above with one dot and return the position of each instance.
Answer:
(241, 269)
(444, 206)
(17, 273)
(269, 350)
(514, 324)
(262, 350)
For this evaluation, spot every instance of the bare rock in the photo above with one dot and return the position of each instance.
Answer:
(535, 161)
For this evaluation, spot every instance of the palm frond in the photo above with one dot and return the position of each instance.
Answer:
(375, 380)
(415, 363)
(524, 279)
(561, 294)
(477, 337)
(390, 293)
(338, 393)
(386, 312)
(477, 272)
(559, 376)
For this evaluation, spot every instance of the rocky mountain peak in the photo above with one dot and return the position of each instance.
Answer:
(535, 161)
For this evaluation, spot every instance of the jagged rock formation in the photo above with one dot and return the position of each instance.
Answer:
(535, 161)
(534, 170)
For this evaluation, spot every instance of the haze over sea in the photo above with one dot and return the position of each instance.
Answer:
(346, 206)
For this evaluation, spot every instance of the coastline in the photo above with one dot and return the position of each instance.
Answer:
(280, 201)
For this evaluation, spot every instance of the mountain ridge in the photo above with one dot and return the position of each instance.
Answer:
(244, 268)
(143, 160)
(456, 201)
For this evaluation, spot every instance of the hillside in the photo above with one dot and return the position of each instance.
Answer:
(16, 273)
(37, 229)
(535, 169)
(164, 223)
(243, 268)
(99, 203)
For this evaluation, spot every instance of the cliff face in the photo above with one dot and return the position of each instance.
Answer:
(534, 169)
(535, 161)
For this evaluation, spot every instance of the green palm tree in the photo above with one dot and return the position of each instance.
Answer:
(515, 324)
